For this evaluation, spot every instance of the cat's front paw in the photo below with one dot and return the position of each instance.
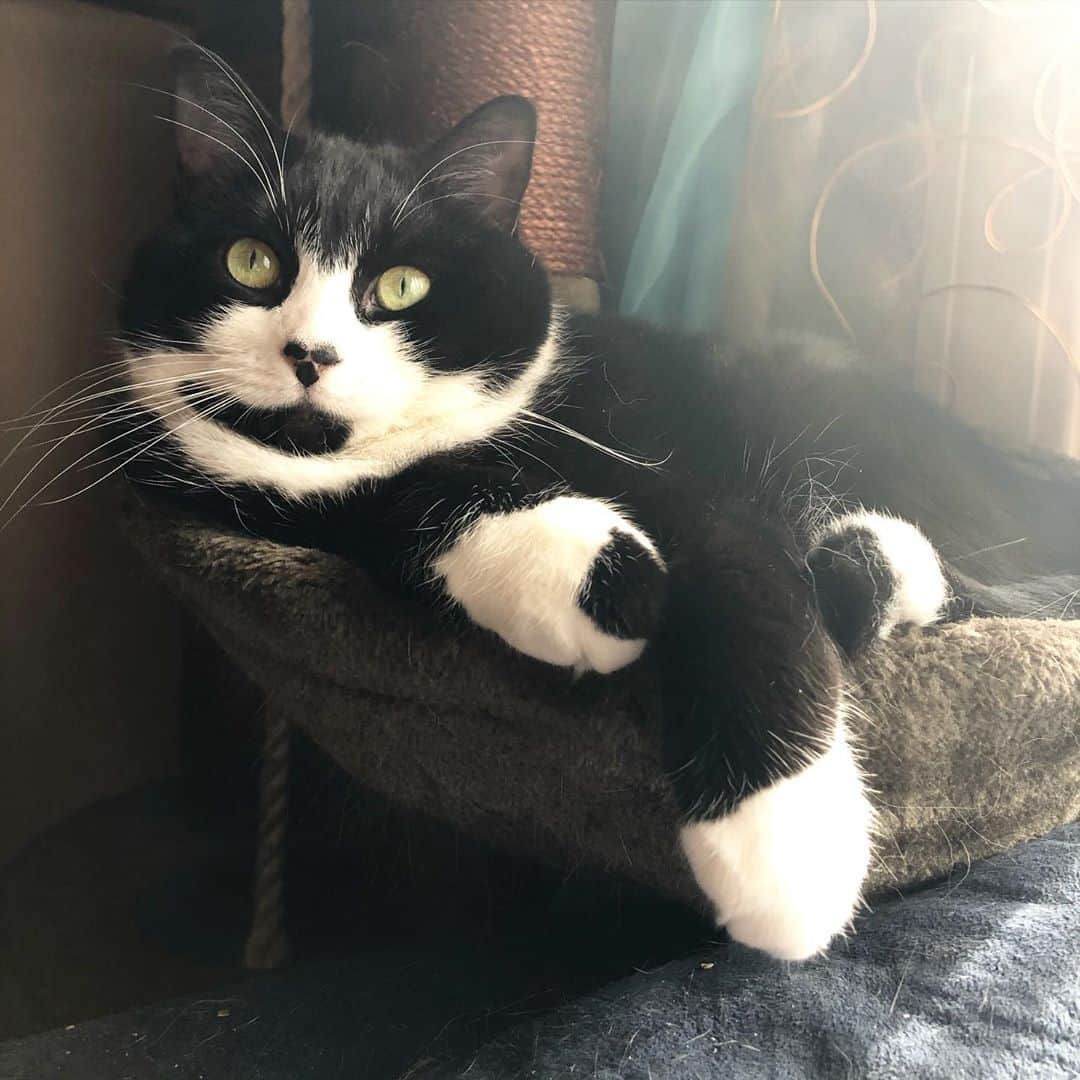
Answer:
(784, 870)
(571, 581)
(872, 573)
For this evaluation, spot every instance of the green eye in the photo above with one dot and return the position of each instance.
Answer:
(253, 263)
(400, 287)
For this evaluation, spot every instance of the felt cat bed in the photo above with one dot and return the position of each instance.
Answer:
(971, 731)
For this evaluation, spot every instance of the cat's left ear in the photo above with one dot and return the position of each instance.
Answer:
(220, 124)
(487, 158)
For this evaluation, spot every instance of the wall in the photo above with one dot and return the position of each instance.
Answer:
(90, 658)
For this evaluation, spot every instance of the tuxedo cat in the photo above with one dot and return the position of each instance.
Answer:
(345, 346)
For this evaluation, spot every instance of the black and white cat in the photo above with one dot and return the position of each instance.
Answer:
(346, 347)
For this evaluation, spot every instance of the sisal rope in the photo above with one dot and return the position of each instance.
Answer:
(267, 944)
(464, 52)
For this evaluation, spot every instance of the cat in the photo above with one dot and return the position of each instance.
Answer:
(346, 346)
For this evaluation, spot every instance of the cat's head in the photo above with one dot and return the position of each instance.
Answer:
(320, 311)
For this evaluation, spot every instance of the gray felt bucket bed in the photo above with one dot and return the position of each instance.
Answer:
(971, 731)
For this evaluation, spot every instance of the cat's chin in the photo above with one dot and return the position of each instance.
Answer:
(294, 429)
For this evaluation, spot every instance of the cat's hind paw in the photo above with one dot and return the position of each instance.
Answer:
(872, 573)
(784, 870)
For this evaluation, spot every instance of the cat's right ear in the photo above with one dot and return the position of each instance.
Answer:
(487, 158)
(220, 123)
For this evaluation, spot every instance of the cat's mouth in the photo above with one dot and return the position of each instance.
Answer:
(293, 429)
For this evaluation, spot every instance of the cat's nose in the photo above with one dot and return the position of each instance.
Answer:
(306, 372)
(307, 363)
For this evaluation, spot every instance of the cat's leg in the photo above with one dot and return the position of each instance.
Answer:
(567, 579)
(562, 577)
(872, 573)
(778, 824)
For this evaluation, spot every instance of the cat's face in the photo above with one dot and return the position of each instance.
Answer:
(319, 312)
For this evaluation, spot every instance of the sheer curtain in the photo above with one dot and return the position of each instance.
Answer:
(908, 174)
(683, 76)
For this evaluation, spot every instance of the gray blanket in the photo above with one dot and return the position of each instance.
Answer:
(976, 978)
(971, 731)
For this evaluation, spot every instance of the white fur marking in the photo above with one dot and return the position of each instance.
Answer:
(784, 870)
(920, 590)
(399, 410)
(520, 574)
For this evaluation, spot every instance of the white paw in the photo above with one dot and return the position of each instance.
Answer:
(919, 591)
(784, 870)
(521, 574)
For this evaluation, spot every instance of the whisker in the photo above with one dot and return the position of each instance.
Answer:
(118, 413)
(993, 547)
(214, 397)
(70, 402)
(455, 195)
(515, 448)
(101, 419)
(112, 472)
(251, 105)
(627, 459)
(224, 123)
(112, 365)
(154, 418)
(284, 152)
(235, 153)
(75, 401)
(136, 339)
(78, 431)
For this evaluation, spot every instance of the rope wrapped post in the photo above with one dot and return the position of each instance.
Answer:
(267, 944)
(453, 55)
(463, 52)
(295, 64)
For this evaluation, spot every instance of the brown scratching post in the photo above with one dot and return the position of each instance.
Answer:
(554, 52)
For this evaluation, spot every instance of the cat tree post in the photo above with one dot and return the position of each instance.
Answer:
(453, 56)
(268, 942)
(554, 52)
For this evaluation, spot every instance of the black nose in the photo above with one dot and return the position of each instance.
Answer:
(308, 362)
(307, 372)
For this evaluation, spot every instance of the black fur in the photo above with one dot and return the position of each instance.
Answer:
(625, 592)
(296, 430)
(852, 582)
(745, 447)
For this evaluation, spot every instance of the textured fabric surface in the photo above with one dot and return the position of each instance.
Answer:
(971, 980)
(970, 732)
(976, 978)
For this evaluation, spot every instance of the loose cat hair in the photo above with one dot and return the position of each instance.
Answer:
(346, 346)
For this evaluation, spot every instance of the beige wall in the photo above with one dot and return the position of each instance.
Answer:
(89, 647)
